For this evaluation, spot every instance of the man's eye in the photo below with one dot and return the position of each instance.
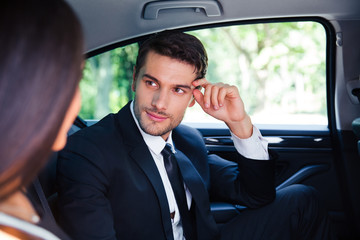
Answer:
(179, 91)
(150, 83)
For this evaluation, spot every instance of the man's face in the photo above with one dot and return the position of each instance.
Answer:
(163, 91)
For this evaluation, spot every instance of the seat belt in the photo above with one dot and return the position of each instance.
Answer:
(47, 214)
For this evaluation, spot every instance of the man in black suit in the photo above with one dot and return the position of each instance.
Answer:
(118, 180)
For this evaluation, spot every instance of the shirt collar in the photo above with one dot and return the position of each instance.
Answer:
(155, 143)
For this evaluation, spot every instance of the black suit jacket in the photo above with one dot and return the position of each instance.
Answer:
(109, 186)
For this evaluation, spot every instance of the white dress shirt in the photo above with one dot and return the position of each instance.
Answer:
(254, 147)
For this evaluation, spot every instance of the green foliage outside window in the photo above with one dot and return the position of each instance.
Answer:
(279, 69)
(106, 85)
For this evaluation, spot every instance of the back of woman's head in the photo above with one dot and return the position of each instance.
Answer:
(41, 48)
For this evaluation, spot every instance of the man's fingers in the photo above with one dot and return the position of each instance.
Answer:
(207, 95)
(214, 97)
(199, 97)
(221, 96)
(200, 82)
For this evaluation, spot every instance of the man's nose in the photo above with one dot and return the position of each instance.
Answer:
(160, 99)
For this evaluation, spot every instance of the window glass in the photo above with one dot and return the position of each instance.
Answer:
(106, 83)
(279, 68)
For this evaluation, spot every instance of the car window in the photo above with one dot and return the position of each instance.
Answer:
(279, 69)
(106, 83)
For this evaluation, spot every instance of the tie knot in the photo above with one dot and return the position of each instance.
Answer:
(166, 152)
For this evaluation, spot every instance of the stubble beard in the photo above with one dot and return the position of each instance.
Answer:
(154, 128)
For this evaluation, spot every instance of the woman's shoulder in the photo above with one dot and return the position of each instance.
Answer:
(19, 229)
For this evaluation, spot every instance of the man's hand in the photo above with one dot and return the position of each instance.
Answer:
(224, 103)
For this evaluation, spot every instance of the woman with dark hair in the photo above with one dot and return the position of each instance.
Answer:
(41, 49)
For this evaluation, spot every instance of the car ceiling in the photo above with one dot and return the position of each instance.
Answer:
(111, 21)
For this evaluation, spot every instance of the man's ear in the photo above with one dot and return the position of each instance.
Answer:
(133, 85)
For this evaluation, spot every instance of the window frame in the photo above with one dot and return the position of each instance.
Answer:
(267, 129)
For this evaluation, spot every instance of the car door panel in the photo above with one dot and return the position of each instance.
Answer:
(304, 157)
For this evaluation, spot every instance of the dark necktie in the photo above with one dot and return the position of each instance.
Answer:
(177, 185)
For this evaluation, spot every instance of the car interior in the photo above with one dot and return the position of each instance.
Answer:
(297, 66)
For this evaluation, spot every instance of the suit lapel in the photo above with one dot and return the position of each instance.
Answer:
(205, 221)
(141, 155)
(192, 179)
(145, 161)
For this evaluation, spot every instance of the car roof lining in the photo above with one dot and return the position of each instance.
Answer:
(110, 23)
(144, 36)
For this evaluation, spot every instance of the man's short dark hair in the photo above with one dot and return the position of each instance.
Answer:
(177, 45)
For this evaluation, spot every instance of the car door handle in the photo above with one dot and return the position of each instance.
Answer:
(211, 8)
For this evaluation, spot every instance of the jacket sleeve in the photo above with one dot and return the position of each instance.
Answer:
(82, 180)
(238, 180)
(242, 181)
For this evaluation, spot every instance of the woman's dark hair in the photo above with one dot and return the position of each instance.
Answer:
(176, 45)
(41, 49)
